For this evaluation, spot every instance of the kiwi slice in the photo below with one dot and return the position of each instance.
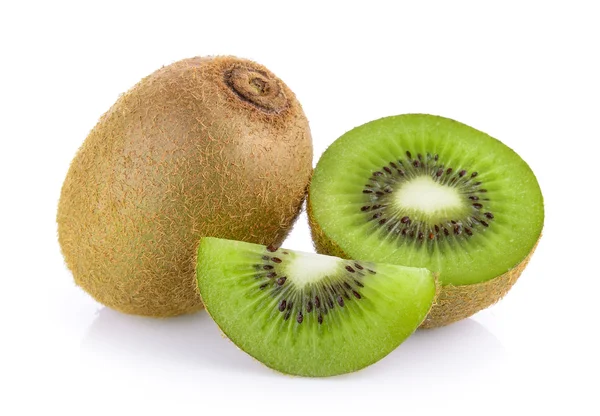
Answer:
(308, 314)
(426, 191)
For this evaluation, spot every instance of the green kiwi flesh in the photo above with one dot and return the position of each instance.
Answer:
(426, 191)
(309, 314)
(213, 146)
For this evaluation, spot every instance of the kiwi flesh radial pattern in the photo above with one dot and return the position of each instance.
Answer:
(205, 146)
(310, 314)
(426, 191)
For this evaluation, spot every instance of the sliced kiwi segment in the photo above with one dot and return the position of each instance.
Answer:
(427, 191)
(308, 314)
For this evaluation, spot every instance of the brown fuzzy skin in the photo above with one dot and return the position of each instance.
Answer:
(453, 303)
(204, 147)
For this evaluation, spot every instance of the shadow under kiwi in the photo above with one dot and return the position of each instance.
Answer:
(195, 342)
(189, 340)
(463, 349)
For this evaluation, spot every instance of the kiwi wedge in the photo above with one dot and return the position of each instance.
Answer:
(426, 191)
(309, 314)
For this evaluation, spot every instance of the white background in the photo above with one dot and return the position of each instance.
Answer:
(525, 72)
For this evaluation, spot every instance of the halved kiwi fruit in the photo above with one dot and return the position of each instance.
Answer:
(426, 191)
(309, 314)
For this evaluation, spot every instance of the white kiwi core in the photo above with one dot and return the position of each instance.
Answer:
(307, 268)
(425, 196)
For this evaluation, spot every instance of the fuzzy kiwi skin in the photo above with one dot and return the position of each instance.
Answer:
(207, 146)
(453, 303)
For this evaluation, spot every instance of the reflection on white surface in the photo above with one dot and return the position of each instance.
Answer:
(195, 342)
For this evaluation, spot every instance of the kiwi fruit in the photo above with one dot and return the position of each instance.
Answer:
(426, 191)
(207, 146)
(308, 314)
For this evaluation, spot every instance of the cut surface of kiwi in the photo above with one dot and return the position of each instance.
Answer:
(309, 314)
(426, 191)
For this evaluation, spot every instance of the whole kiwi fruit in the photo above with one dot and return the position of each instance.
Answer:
(207, 146)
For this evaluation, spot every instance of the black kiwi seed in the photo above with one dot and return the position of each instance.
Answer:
(276, 260)
(359, 284)
(358, 266)
(272, 248)
(282, 305)
(340, 301)
(478, 205)
(330, 302)
(287, 315)
(356, 294)
(281, 280)
(309, 307)
(320, 319)
(317, 302)
(408, 154)
(489, 215)
(268, 267)
(264, 285)
(388, 170)
(366, 207)
(299, 318)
